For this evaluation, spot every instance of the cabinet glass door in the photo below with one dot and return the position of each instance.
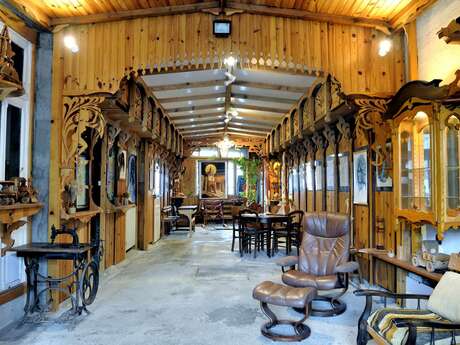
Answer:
(453, 157)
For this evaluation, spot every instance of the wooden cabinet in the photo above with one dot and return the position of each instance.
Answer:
(425, 119)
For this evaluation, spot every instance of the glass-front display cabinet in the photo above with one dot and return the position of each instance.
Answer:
(426, 149)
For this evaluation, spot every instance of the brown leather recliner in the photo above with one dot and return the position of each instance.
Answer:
(323, 262)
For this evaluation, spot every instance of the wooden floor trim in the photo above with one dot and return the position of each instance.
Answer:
(12, 293)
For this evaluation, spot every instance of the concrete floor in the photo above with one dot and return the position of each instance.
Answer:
(183, 292)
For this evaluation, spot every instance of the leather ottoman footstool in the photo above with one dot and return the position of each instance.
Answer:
(285, 296)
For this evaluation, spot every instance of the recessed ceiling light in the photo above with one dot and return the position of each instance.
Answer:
(243, 88)
(217, 88)
(190, 102)
(189, 91)
(192, 120)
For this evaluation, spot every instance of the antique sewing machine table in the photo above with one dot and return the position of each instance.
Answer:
(80, 285)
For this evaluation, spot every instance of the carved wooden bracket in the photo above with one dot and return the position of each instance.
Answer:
(319, 141)
(330, 136)
(80, 113)
(344, 130)
(451, 33)
(370, 118)
(10, 83)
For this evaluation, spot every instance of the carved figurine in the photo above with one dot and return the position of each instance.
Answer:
(430, 257)
(451, 33)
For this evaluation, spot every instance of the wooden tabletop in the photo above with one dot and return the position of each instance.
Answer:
(42, 248)
(191, 207)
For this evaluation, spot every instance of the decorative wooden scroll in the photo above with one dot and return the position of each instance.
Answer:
(344, 130)
(10, 84)
(80, 114)
(371, 118)
(451, 33)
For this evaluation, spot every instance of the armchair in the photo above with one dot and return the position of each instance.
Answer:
(323, 261)
(438, 323)
(213, 210)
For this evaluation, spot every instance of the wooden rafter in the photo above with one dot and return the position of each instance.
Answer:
(269, 86)
(196, 107)
(410, 12)
(266, 109)
(188, 85)
(191, 98)
(132, 14)
(263, 98)
(307, 15)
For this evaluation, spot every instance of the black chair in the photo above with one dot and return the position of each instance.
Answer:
(169, 218)
(251, 232)
(235, 224)
(289, 233)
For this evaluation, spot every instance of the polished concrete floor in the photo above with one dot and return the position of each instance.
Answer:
(183, 292)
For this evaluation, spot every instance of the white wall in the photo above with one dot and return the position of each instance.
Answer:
(436, 59)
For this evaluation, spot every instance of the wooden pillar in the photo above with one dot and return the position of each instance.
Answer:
(411, 49)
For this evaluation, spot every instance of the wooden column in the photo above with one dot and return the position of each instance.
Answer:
(412, 53)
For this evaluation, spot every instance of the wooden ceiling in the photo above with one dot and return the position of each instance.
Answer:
(391, 13)
(198, 101)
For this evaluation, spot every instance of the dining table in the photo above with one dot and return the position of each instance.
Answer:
(268, 219)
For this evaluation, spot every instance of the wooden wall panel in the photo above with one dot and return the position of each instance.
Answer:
(110, 50)
(109, 244)
(120, 237)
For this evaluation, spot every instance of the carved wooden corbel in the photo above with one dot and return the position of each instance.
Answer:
(370, 118)
(112, 133)
(10, 83)
(451, 33)
(123, 139)
(80, 114)
(319, 141)
(344, 130)
(330, 136)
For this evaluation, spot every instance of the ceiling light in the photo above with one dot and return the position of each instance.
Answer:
(192, 120)
(190, 102)
(230, 61)
(191, 111)
(384, 47)
(71, 43)
(224, 145)
(243, 88)
(217, 88)
(189, 91)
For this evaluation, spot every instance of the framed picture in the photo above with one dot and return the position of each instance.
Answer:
(309, 176)
(132, 179)
(330, 173)
(111, 175)
(383, 173)
(213, 183)
(344, 172)
(82, 183)
(121, 164)
(319, 175)
(360, 177)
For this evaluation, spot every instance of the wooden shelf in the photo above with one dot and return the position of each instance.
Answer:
(80, 216)
(124, 209)
(11, 216)
(407, 266)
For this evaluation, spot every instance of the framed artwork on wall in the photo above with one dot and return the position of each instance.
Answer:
(213, 181)
(344, 173)
(132, 179)
(111, 174)
(383, 173)
(121, 164)
(330, 172)
(360, 177)
(82, 183)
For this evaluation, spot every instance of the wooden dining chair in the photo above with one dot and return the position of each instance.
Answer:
(251, 232)
(289, 233)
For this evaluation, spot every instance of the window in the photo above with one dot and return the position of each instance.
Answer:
(15, 149)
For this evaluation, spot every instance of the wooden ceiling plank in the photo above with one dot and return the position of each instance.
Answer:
(191, 98)
(270, 86)
(263, 98)
(196, 107)
(178, 118)
(266, 109)
(133, 13)
(188, 85)
(307, 15)
(31, 15)
(410, 12)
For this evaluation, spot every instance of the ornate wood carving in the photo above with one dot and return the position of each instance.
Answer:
(451, 33)
(123, 139)
(10, 84)
(330, 136)
(319, 141)
(112, 133)
(135, 104)
(344, 129)
(371, 118)
(80, 114)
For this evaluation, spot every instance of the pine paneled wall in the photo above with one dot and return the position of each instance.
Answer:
(109, 50)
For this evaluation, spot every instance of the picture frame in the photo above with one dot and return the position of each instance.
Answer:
(82, 182)
(330, 173)
(132, 179)
(213, 179)
(318, 175)
(384, 173)
(344, 172)
(360, 177)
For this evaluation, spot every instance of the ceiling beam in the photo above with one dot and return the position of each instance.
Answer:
(199, 128)
(191, 98)
(132, 14)
(197, 107)
(246, 130)
(263, 98)
(266, 109)
(186, 133)
(270, 86)
(182, 118)
(219, 134)
(410, 12)
(32, 16)
(307, 15)
(214, 122)
(188, 85)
